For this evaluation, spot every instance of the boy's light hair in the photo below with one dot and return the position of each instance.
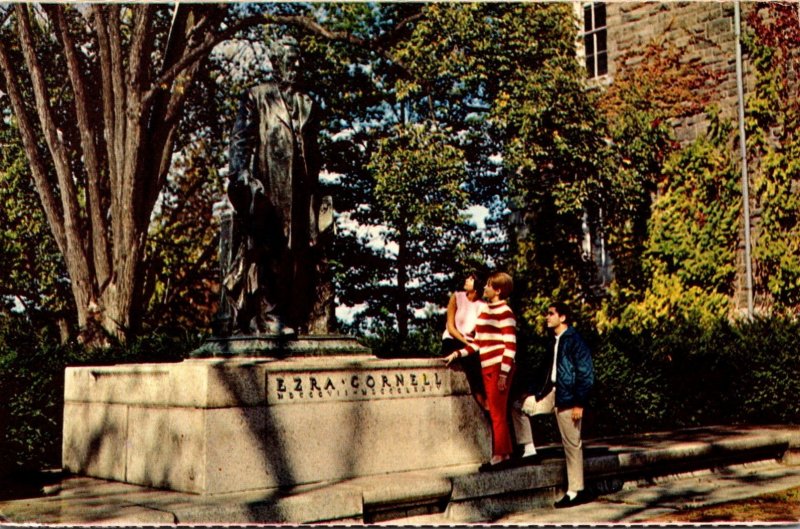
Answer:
(502, 283)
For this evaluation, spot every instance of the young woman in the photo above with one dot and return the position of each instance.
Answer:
(462, 315)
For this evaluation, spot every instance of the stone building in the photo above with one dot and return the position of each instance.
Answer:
(614, 32)
(613, 37)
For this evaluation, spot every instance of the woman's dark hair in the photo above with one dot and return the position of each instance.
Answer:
(478, 281)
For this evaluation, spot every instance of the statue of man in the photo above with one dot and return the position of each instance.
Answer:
(278, 281)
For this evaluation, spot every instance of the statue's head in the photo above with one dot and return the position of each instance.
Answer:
(284, 55)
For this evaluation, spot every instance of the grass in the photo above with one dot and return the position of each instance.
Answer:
(777, 507)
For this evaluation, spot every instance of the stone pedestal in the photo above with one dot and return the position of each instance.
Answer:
(214, 425)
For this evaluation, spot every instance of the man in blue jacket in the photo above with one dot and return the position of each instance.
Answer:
(566, 386)
(572, 374)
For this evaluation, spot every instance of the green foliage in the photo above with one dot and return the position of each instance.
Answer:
(404, 175)
(684, 374)
(641, 107)
(507, 74)
(773, 142)
(502, 80)
(690, 255)
(552, 140)
(695, 219)
(31, 268)
(31, 375)
(183, 267)
(419, 177)
(424, 341)
(32, 363)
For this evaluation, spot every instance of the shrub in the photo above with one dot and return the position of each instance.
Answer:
(31, 377)
(679, 373)
(685, 374)
(32, 363)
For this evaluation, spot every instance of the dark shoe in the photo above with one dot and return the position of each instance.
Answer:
(534, 459)
(580, 499)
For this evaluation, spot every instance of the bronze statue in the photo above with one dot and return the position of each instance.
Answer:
(278, 281)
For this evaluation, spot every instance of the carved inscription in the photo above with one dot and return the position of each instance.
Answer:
(342, 385)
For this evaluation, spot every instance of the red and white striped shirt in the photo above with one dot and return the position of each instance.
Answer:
(495, 337)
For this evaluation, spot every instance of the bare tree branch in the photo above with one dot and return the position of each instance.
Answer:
(168, 102)
(116, 135)
(380, 44)
(187, 41)
(139, 116)
(390, 37)
(69, 200)
(5, 16)
(100, 23)
(140, 45)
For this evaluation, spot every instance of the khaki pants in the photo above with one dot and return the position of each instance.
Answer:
(570, 433)
(573, 448)
(530, 406)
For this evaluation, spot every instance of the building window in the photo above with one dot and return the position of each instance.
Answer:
(594, 38)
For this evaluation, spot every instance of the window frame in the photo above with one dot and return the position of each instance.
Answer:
(594, 33)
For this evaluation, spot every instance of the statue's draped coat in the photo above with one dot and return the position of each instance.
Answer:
(273, 186)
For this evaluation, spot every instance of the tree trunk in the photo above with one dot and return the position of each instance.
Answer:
(126, 155)
(78, 267)
(402, 280)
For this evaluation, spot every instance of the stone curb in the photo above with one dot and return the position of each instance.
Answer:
(461, 493)
(478, 496)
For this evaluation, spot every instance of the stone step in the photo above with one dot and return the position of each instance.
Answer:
(609, 464)
(458, 493)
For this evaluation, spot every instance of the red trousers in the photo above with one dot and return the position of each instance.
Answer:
(497, 402)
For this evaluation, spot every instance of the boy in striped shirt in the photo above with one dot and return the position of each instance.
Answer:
(496, 344)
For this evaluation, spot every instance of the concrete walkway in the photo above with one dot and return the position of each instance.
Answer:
(644, 500)
(636, 478)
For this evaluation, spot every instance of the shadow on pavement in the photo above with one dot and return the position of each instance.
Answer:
(28, 484)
